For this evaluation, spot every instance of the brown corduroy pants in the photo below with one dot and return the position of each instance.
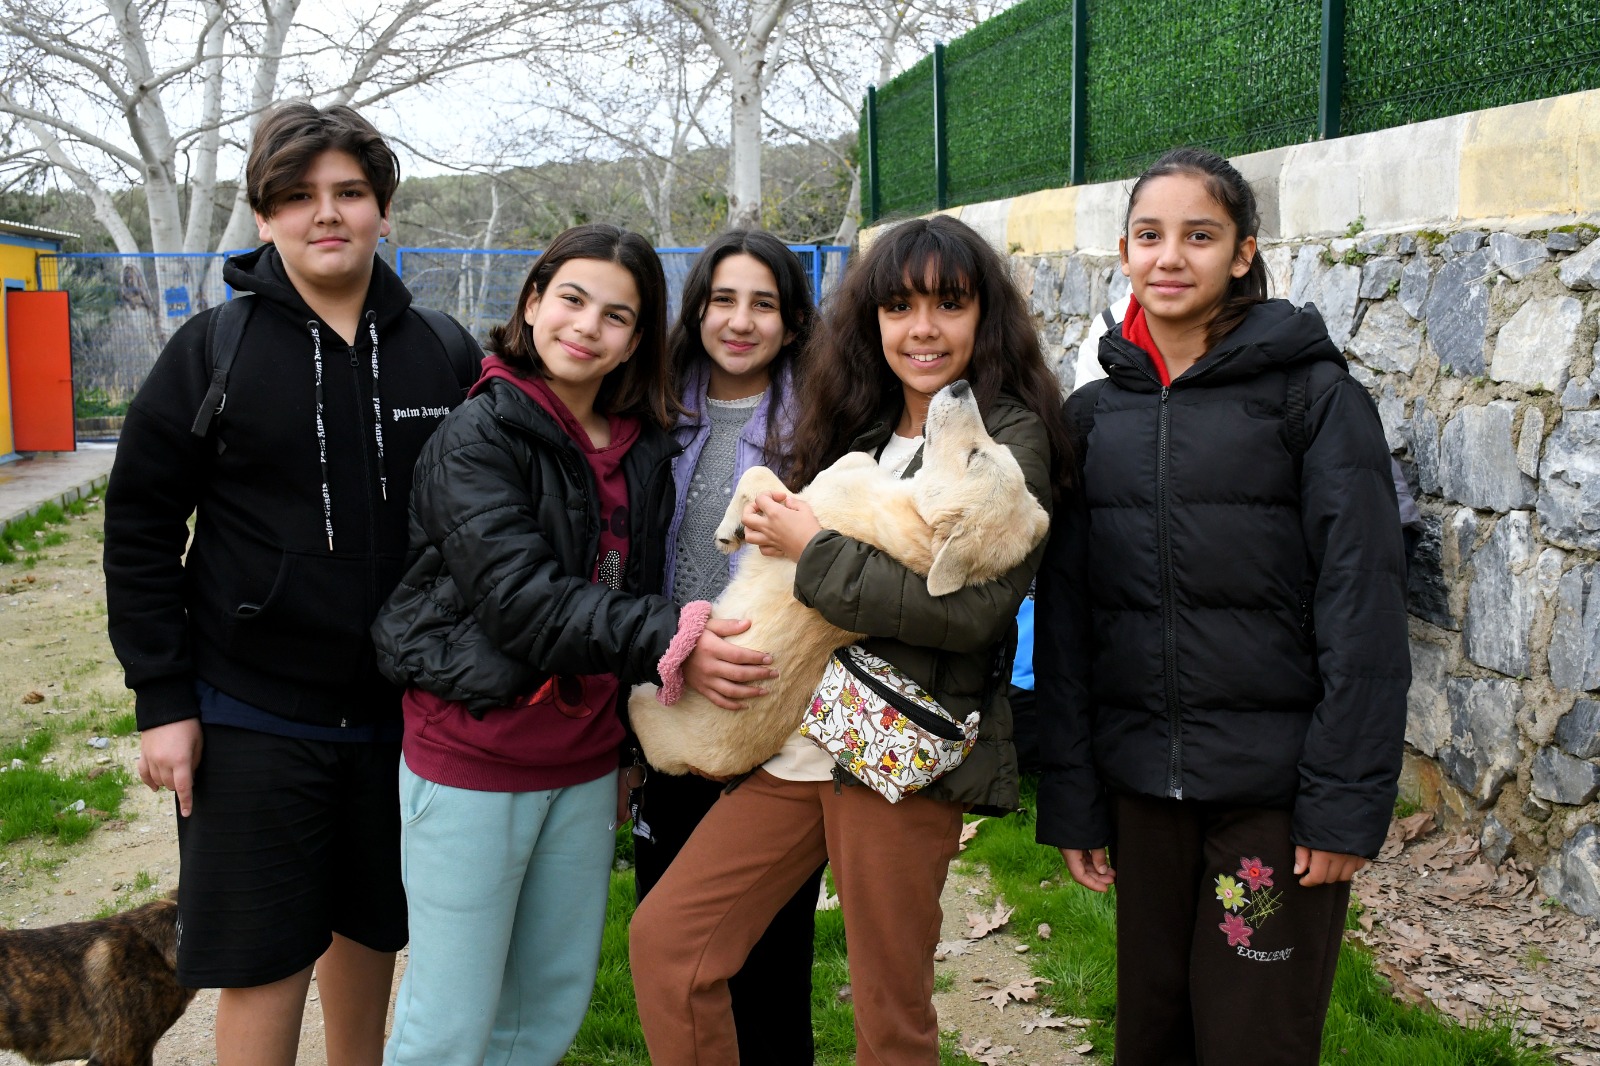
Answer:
(755, 847)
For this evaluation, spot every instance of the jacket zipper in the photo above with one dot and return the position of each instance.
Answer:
(1169, 622)
(932, 723)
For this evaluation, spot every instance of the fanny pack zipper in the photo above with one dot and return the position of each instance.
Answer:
(940, 727)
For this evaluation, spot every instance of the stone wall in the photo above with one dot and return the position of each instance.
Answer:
(1481, 350)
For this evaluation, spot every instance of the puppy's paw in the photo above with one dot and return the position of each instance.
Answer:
(730, 540)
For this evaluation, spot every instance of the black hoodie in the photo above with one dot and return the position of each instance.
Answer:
(1219, 619)
(262, 607)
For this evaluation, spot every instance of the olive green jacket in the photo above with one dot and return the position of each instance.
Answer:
(946, 643)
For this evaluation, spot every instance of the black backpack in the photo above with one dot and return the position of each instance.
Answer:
(225, 332)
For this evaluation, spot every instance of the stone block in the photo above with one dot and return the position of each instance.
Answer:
(1537, 346)
(1118, 288)
(1516, 256)
(1569, 486)
(1578, 732)
(1495, 840)
(1374, 243)
(1378, 276)
(1530, 438)
(1582, 271)
(1467, 240)
(1457, 312)
(1334, 294)
(1580, 392)
(1045, 299)
(1416, 278)
(1560, 778)
(1307, 274)
(1576, 880)
(1427, 590)
(1482, 754)
(1478, 462)
(1562, 241)
(1425, 447)
(1077, 287)
(1279, 263)
(1427, 712)
(1502, 598)
(1406, 244)
(1574, 652)
(1388, 339)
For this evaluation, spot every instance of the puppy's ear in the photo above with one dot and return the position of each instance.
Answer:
(953, 548)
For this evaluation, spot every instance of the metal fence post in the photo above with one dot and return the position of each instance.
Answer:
(1330, 89)
(941, 150)
(873, 201)
(1080, 92)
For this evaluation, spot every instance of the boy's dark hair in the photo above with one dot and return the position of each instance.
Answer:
(638, 387)
(1228, 188)
(846, 380)
(684, 346)
(291, 135)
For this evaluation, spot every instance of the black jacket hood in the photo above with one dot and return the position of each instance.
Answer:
(262, 272)
(1275, 335)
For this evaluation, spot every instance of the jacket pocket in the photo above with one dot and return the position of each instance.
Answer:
(312, 626)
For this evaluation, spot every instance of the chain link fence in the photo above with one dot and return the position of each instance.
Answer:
(124, 308)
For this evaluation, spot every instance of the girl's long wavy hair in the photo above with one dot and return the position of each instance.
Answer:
(846, 384)
(1229, 189)
(637, 388)
(685, 350)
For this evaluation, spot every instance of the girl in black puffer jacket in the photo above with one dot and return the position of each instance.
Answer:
(1222, 660)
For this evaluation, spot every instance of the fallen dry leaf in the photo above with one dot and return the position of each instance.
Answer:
(984, 1050)
(981, 925)
(33, 697)
(1023, 991)
(949, 949)
(968, 831)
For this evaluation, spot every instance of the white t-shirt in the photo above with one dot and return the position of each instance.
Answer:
(799, 759)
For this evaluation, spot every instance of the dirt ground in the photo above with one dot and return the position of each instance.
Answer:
(1444, 925)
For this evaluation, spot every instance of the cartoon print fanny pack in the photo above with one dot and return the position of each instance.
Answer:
(883, 728)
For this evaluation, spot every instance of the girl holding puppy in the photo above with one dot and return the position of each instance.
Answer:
(930, 303)
(528, 607)
(731, 356)
(1222, 664)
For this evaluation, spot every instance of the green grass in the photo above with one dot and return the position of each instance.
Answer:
(136, 893)
(23, 538)
(35, 799)
(1366, 1024)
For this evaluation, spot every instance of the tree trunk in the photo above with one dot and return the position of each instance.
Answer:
(744, 148)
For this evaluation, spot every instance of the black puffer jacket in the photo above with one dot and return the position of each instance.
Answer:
(1219, 619)
(485, 624)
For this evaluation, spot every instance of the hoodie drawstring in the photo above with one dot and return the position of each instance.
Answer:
(377, 406)
(322, 433)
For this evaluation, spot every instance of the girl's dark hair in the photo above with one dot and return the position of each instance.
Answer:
(639, 386)
(1228, 188)
(288, 140)
(846, 383)
(684, 347)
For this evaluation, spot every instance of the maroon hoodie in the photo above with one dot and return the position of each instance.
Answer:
(567, 732)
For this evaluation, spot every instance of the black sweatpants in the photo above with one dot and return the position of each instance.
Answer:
(772, 993)
(1221, 954)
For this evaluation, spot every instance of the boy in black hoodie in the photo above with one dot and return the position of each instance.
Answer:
(248, 653)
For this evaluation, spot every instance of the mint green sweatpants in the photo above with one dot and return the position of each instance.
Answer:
(507, 894)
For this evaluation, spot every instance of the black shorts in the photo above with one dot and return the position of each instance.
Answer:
(290, 841)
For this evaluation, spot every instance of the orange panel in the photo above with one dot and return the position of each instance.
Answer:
(39, 347)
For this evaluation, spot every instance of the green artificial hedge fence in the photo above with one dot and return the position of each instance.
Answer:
(1235, 76)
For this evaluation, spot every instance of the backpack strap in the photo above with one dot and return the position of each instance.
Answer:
(1110, 320)
(1080, 411)
(463, 352)
(223, 334)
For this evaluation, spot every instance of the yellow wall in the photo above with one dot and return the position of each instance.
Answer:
(14, 263)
